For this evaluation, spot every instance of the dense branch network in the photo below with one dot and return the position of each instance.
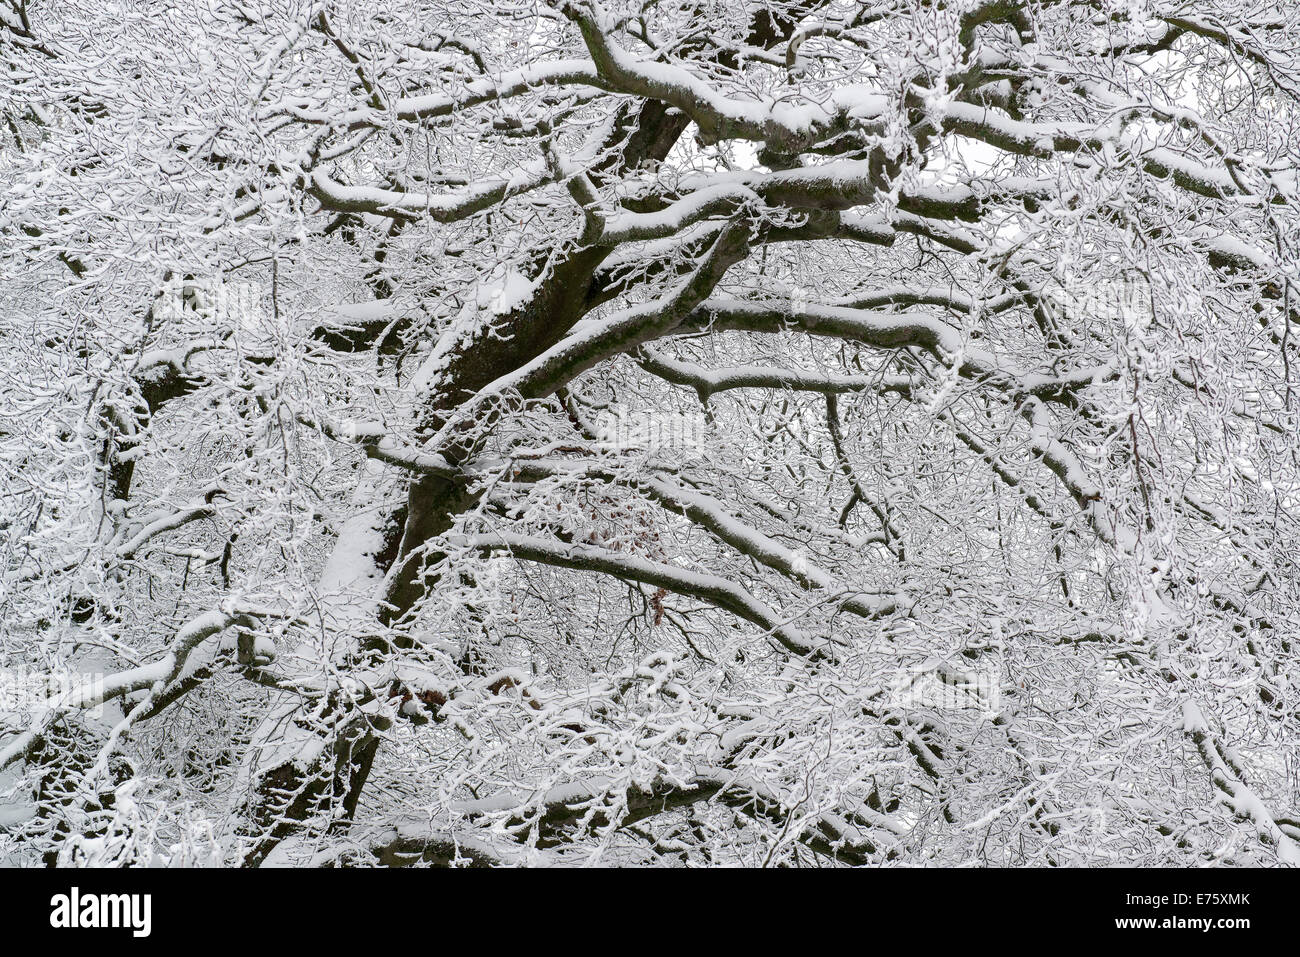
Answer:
(592, 431)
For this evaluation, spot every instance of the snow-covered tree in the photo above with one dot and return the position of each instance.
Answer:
(687, 432)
